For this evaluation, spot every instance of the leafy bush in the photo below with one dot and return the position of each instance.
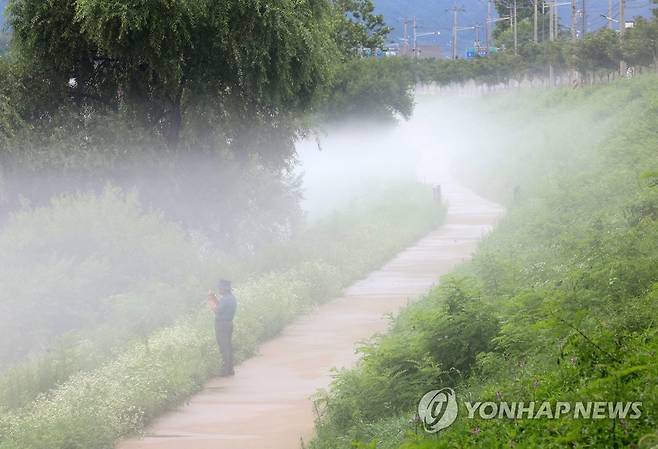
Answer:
(434, 342)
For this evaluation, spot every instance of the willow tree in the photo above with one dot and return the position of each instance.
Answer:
(230, 65)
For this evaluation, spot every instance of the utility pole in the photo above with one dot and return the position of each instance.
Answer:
(415, 39)
(405, 34)
(455, 10)
(573, 75)
(516, 37)
(536, 28)
(622, 30)
(454, 32)
(487, 25)
(622, 17)
(551, 18)
(609, 14)
(543, 20)
(556, 21)
(551, 31)
(584, 11)
(574, 14)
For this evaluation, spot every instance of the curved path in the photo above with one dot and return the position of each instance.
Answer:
(268, 403)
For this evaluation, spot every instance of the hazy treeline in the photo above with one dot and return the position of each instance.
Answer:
(379, 87)
(596, 56)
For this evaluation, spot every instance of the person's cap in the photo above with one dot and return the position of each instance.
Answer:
(224, 285)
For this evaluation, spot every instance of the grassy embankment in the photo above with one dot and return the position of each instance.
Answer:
(560, 302)
(110, 377)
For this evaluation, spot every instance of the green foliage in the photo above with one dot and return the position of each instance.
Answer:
(10, 118)
(598, 54)
(567, 284)
(524, 12)
(186, 74)
(504, 37)
(162, 62)
(640, 44)
(434, 342)
(598, 51)
(371, 88)
(5, 37)
(181, 99)
(358, 26)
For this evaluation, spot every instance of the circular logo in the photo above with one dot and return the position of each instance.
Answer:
(649, 441)
(438, 409)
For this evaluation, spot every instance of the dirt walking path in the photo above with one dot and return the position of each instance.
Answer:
(267, 404)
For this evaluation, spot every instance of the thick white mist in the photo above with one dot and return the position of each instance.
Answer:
(346, 161)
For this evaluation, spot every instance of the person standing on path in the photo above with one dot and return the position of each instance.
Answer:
(224, 309)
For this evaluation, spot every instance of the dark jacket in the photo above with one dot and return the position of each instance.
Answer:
(226, 309)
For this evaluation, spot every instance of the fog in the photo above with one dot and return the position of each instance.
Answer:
(339, 163)
(116, 233)
(468, 137)
(102, 247)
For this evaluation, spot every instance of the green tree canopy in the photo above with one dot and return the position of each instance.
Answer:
(640, 44)
(358, 26)
(598, 51)
(253, 60)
